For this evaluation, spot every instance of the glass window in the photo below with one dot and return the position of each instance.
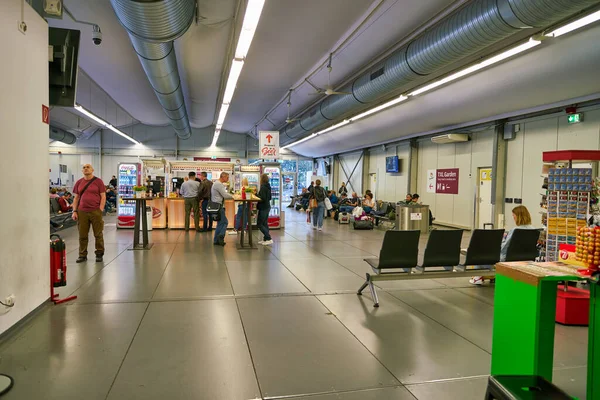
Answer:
(305, 171)
(288, 165)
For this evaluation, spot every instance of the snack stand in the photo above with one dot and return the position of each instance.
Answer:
(175, 204)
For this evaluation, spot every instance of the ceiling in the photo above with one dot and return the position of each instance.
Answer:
(292, 39)
(293, 42)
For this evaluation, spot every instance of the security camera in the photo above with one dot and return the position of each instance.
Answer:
(96, 35)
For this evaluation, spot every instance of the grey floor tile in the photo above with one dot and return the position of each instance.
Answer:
(462, 389)
(298, 348)
(483, 293)
(71, 352)
(572, 380)
(262, 277)
(118, 282)
(188, 350)
(455, 282)
(465, 315)
(338, 249)
(231, 253)
(390, 393)
(323, 275)
(412, 346)
(191, 280)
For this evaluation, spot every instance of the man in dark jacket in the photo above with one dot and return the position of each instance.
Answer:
(204, 194)
(264, 206)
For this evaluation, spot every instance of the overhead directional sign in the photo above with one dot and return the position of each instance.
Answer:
(269, 144)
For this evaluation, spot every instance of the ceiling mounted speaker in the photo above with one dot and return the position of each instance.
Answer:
(450, 138)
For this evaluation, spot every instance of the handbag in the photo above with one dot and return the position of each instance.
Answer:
(214, 209)
(328, 204)
(313, 203)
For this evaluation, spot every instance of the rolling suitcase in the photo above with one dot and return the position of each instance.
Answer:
(344, 218)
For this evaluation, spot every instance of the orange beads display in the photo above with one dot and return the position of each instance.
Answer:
(588, 246)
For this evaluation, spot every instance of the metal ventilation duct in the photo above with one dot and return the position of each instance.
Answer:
(152, 28)
(62, 135)
(474, 27)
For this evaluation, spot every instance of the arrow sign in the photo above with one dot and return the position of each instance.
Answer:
(268, 145)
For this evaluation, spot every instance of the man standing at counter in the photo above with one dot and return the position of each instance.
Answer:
(219, 195)
(189, 191)
(205, 189)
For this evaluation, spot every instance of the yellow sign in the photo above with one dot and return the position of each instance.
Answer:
(485, 175)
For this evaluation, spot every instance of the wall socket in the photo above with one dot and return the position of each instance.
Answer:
(10, 300)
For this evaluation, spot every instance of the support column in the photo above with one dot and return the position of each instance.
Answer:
(499, 158)
(413, 167)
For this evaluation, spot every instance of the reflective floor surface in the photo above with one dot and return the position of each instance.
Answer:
(189, 320)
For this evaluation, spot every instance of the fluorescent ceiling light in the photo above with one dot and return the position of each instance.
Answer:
(234, 74)
(575, 25)
(222, 114)
(493, 60)
(215, 137)
(299, 141)
(379, 108)
(344, 122)
(104, 124)
(251, 17)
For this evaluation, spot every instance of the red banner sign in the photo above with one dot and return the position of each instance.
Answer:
(45, 114)
(447, 181)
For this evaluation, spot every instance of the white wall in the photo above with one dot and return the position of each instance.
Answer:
(156, 141)
(24, 265)
(524, 166)
(388, 186)
(457, 209)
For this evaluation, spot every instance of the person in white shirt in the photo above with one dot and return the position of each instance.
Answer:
(219, 195)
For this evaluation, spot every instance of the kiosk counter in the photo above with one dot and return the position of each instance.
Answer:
(176, 206)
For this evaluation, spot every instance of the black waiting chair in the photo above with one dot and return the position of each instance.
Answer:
(398, 255)
(484, 249)
(523, 245)
(443, 250)
(523, 387)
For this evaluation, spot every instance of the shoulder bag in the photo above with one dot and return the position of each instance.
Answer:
(83, 191)
(214, 209)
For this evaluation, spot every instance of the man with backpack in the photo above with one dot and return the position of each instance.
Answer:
(204, 198)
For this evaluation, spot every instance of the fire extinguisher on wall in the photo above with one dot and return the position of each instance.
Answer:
(58, 261)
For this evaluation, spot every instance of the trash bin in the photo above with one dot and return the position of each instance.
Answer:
(148, 218)
(412, 217)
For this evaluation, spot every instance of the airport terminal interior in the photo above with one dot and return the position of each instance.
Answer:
(316, 199)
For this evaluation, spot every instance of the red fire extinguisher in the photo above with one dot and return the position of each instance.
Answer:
(58, 261)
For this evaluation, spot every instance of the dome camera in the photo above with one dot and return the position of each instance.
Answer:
(96, 35)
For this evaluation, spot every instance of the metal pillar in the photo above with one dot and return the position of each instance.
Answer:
(499, 158)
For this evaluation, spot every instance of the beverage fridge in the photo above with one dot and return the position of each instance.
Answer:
(274, 172)
(130, 175)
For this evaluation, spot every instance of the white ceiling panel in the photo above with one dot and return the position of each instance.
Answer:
(560, 69)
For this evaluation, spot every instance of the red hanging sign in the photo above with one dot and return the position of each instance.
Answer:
(45, 114)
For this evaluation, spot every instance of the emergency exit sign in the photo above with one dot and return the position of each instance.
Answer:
(575, 118)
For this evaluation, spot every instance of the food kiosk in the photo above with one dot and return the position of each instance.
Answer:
(154, 176)
(175, 204)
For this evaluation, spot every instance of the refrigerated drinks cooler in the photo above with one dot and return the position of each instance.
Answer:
(274, 172)
(250, 172)
(130, 175)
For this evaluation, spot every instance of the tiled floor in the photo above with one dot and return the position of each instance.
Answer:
(188, 320)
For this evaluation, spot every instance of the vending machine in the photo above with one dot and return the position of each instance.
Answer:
(130, 175)
(274, 172)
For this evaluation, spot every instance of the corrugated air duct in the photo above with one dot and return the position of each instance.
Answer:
(62, 135)
(152, 28)
(480, 24)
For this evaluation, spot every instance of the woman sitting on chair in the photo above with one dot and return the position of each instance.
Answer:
(368, 203)
(523, 221)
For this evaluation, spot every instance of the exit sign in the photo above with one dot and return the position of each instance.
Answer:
(575, 118)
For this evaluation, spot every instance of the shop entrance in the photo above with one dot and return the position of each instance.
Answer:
(289, 182)
(484, 210)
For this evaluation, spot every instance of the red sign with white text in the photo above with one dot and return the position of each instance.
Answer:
(45, 114)
(447, 181)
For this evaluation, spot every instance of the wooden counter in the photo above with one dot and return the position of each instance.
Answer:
(176, 206)
(159, 212)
